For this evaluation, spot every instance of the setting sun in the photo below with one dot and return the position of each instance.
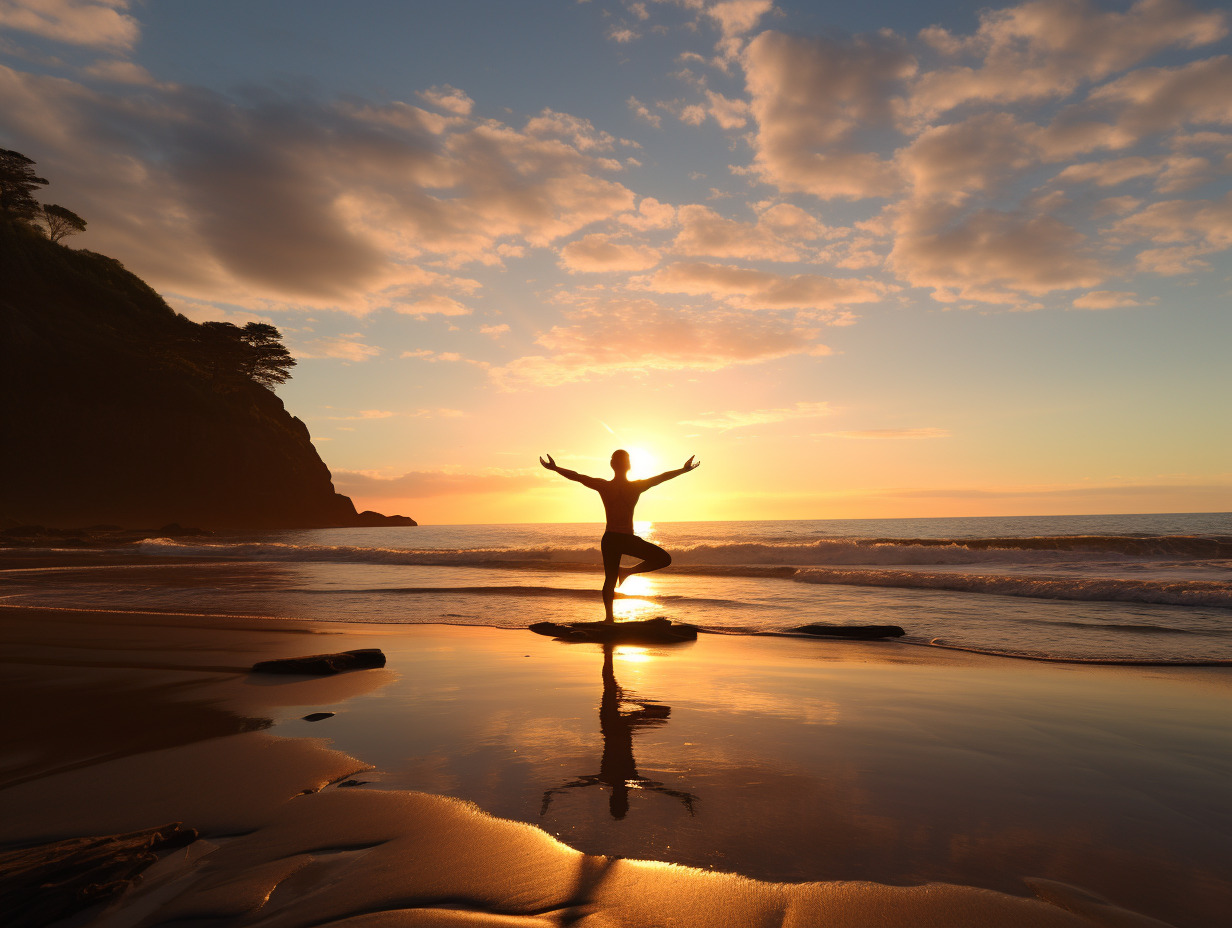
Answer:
(644, 463)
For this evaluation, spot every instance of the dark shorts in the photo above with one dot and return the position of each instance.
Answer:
(614, 544)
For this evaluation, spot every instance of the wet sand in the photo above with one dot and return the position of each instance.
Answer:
(844, 781)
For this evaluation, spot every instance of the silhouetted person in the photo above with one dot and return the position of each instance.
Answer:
(620, 496)
(617, 768)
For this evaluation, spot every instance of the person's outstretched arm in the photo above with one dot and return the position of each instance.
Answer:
(569, 474)
(689, 465)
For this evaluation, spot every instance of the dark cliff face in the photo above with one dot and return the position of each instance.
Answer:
(112, 411)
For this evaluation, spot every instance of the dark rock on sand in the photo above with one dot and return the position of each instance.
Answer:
(43, 884)
(318, 716)
(651, 631)
(821, 630)
(324, 664)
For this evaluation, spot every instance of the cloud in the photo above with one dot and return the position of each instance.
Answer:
(121, 72)
(95, 23)
(651, 214)
(753, 289)
(633, 336)
(977, 154)
(434, 304)
(1047, 48)
(890, 433)
(322, 204)
(641, 111)
(1171, 173)
(811, 99)
(990, 255)
(705, 232)
(344, 347)
(493, 330)
(578, 132)
(427, 354)
(363, 414)
(448, 98)
(597, 252)
(1188, 230)
(736, 17)
(739, 419)
(202, 311)
(1217, 491)
(727, 112)
(1107, 299)
(423, 484)
(1154, 99)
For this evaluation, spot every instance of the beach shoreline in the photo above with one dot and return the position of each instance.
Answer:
(831, 763)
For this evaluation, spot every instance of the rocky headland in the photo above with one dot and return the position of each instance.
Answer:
(116, 410)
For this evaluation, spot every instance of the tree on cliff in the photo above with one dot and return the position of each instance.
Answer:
(60, 222)
(267, 362)
(17, 185)
(255, 351)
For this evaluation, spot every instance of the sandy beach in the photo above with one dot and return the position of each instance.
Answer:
(494, 777)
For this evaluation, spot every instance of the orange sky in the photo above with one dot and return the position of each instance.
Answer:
(865, 260)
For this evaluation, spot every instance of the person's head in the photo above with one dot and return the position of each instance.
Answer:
(620, 461)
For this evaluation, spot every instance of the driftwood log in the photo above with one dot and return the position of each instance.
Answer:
(42, 884)
(324, 664)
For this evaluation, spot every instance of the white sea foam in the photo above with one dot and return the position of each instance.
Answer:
(1089, 589)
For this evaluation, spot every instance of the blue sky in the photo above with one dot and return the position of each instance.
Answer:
(866, 260)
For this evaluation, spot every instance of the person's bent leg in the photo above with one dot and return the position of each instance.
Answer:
(653, 558)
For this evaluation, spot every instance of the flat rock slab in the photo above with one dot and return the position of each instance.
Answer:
(324, 664)
(858, 632)
(650, 631)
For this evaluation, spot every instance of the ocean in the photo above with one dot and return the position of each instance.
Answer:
(1110, 588)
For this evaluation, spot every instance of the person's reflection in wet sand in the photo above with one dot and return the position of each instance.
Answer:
(617, 768)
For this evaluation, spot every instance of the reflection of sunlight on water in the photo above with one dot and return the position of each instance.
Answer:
(643, 528)
(632, 654)
(637, 609)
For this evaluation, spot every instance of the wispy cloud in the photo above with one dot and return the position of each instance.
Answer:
(736, 419)
(424, 484)
(361, 415)
(343, 347)
(448, 98)
(1107, 299)
(890, 433)
(633, 336)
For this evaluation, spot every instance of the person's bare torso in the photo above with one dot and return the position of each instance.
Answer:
(619, 499)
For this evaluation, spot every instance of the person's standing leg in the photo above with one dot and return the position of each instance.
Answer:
(611, 548)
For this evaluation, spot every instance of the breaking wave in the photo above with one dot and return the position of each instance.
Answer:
(1086, 561)
(823, 552)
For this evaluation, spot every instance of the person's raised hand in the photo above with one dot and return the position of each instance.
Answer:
(690, 464)
(549, 463)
